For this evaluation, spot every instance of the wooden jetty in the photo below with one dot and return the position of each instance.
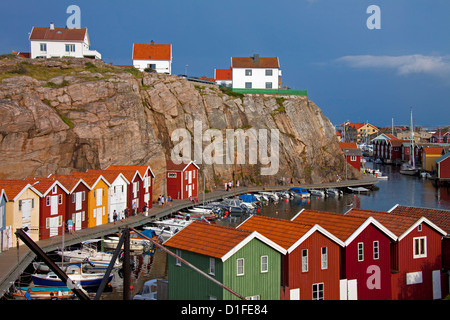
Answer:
(15, 260)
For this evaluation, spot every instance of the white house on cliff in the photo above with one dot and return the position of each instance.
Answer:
(156, 57)
(51, 42)
(255, 72)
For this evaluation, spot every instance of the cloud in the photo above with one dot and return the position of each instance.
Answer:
(403, 65)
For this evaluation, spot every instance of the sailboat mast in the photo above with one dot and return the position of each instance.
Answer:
(412, 145)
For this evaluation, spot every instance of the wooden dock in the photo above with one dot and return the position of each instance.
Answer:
(14, 261)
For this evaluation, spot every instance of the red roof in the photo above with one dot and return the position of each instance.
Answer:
(251, 62)
(152, 51)
(223, 74)
(348, 145)
(171, 166)
(141, 169)
(58, 34)
(14, 187)
(432, 150)
(441, 218)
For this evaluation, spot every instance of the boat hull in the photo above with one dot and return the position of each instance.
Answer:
(89, 281)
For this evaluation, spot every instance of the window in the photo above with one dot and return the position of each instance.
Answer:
(43, 47)
(178, 261)
(248, 85)
(304, 260)
(268, 85)
(60, 199)
(419, 227)
(248, 72)
(240, 266)
(269, 72)
(420, 247)
(360, 251)
(264, 264)
(376, 250)
(324, 258)
(212, 266)
(352, 158)
(47, 201)
(317, 291)
(171, 175)
(70, 48)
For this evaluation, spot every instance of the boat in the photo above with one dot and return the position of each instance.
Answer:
(425, 175)
(149, 291)
(89, 266)
(270, 195)
(410, 167)
(333, 192)
(75, 273)
(137, 242)
(358, 189)
(43, 293)
(87, 252)
(316, 192)
(166, 228)
(300, 192)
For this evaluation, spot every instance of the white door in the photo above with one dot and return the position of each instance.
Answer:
(189, 190)
(78, 199)
(437, 284)
(53, 226)
(352, 290)
(26, 209)
(99, 196)
(294, 294)
(190, 177)
(77, 220)
(53, 205)
(99, 215)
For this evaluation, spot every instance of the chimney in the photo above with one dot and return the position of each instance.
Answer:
(256, 57)
(52, 26)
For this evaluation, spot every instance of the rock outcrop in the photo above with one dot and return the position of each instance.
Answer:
(64, 115)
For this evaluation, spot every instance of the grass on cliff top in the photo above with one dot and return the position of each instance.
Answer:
(44, 73)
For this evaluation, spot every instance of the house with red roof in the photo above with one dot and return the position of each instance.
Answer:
(223, 77)
(153, 57)
(352, 154)
(52, 214)
(235, 264)
(22, 210)
(140, 190)
(255, 72)
(310, 267)
(77, 200)
(365, 259)
(181, 180)
(416, 255)
(52, 42)
(388, 148)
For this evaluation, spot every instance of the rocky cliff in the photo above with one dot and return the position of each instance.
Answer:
(64, 115)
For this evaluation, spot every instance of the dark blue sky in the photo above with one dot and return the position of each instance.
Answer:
(324, 46)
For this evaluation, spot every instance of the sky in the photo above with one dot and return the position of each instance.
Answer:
(351, 72)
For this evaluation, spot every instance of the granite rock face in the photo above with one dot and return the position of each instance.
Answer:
(64, 115)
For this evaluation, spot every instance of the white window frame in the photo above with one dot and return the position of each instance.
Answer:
(269, 85)
(360, 251)
(264, 264)
(318, 291)
(248, 85)
(269, 72)
(43, 47)
(240, 270)
(324, 258)
(305, 265)
(420, 246)
(212, 266)
(248, 72)
(178, 261)
(376, 250)
(70, 47)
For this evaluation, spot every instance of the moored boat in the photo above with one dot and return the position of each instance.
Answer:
(43, 293)
(300, 192)
(317, 193)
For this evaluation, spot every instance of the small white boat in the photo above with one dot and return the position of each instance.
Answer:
(425, 175)
(333, 192)
(86, 253)
(317, 193)
(168, 227)
(137, 242)
(408, 169)
(149, 291)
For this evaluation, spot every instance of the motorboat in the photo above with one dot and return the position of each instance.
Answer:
(425, 175)
(317, 193)
(166, 228)
(88, 266)
(300, 192)
(149, 291)
(270, 195)
(137, 242)
(333, 192)
(75, 273)
(87, 252)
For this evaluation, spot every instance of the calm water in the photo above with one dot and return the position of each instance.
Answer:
(398, 189)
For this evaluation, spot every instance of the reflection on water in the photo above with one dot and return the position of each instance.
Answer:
(398, 189)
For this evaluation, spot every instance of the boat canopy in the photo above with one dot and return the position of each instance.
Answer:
(248, 197)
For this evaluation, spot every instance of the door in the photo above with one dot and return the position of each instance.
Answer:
(53, 226)
(77, 220)
(348, 289)
(99, 215)
(189, 190)
(294, 294)
(78, 199)
(437, 284)
(53, 205)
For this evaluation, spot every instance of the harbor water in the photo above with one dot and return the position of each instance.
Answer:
(397, 189)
